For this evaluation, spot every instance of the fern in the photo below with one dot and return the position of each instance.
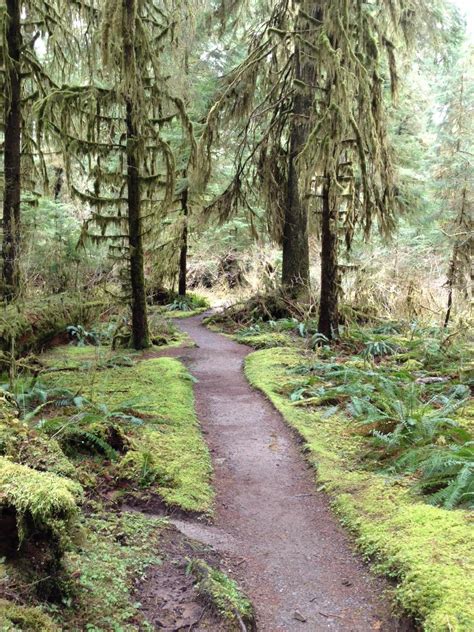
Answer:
(447, 475)
(98, 444)
(378, 349)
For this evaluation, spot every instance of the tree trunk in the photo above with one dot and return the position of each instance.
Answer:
(328, 306)
(12, 153)
(295, 273)
(140, 334)
(183, 254)
(295, 268)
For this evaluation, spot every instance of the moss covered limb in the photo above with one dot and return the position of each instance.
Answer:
(428, 550)
(29, 326)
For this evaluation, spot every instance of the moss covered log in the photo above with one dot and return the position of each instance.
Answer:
(31, 326)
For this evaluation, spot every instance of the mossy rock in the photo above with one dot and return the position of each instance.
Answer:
(15, 618)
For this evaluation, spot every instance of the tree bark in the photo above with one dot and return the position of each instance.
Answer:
(183, 253)
(140, 333)
(295, 266)
(12, 155)
(328, 306)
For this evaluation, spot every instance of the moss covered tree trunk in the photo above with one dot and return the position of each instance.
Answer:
(328, 307)
(295, 267)
(12, 152)
(140, 333)
(183, 253)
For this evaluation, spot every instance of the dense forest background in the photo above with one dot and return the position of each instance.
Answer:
(212, 124)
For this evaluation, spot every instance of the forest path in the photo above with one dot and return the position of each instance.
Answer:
(298, 563)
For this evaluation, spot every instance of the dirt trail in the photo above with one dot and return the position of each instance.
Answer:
(297, 560)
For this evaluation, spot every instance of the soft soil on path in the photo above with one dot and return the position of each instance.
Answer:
(295, 560)
(168, 595)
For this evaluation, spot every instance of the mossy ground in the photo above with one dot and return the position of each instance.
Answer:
(102, 356)
(167, 449)
(14, 617)
(428, 550)
(108, 565)
(165, 455)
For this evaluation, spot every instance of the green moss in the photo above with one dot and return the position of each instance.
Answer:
(264, 340)
(183, 314)
(116, 552)
(428, 550)
(44, 455)
(167, 450)
(223, 593)
(14, 618)
(40, 500)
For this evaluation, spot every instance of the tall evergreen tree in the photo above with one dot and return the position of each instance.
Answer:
(25, 76)
(310, 95)
(12, 46)
(456, 175)
(112, 129)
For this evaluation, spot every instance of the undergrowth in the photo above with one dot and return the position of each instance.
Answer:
(142, 418)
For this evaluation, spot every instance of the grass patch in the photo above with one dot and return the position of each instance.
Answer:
(428, 550)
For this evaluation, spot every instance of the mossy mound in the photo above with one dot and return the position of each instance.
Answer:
(224, 595)
(40, 502)
(428, 550)
(26, 446)
(153, 405)
(264, 340)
